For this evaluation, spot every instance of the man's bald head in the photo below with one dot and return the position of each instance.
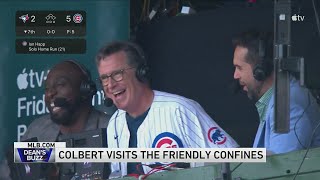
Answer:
(69, 69)
(64, 81)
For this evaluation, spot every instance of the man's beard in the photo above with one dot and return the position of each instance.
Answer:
(254, 92)
(67, 117)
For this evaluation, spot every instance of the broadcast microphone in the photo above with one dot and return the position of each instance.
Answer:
(108, 102)
(61, 102)
(235, 86)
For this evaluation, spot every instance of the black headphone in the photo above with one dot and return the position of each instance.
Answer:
(142, 71)
(264, 68)
(88, 87)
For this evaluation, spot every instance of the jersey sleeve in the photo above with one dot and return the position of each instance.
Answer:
(202, 131)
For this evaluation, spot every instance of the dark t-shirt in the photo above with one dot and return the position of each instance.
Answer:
(133, 125)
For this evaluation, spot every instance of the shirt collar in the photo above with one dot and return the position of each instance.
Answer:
(263, 102)
(265, 98)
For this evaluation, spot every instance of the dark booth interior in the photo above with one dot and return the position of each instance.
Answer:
(191, 55)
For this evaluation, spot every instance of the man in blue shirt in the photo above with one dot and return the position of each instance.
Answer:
(253, 62)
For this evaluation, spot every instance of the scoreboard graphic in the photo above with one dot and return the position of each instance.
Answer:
(51, 32)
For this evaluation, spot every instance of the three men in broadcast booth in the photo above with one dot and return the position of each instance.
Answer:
(253, 62)
(148, 118)
(68, 95)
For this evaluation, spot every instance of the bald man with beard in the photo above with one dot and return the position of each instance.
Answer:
(63, 82)
(74, 113)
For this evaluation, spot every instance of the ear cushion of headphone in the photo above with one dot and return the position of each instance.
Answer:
(259, 73)
(142, 72)
(93, 88)
(88, 89)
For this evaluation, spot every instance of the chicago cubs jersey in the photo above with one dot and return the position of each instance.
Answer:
(173, 121)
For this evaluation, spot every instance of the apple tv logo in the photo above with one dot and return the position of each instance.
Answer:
(31, 79)
(296, 17)
(22, 81)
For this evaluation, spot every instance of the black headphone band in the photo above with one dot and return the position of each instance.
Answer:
(139, 53)
(82, 69)
(142, 71)
(262, 50)
(88, 87)
(264, 67)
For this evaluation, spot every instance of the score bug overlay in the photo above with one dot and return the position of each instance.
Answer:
(51, 32)
(51, 23)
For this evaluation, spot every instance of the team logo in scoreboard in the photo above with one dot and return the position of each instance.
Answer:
(24, 18)
(77, 18)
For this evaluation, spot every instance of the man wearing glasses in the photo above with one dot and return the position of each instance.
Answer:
(148, 118)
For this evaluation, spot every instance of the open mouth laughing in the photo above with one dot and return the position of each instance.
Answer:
(54, 108)
(118, 94)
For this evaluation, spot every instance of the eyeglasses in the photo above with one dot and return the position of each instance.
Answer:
(116, 76)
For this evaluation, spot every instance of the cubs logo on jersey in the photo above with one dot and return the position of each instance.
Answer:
(216, 136)
(167, 140)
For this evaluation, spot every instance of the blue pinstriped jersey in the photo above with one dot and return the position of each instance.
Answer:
(173, 121)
